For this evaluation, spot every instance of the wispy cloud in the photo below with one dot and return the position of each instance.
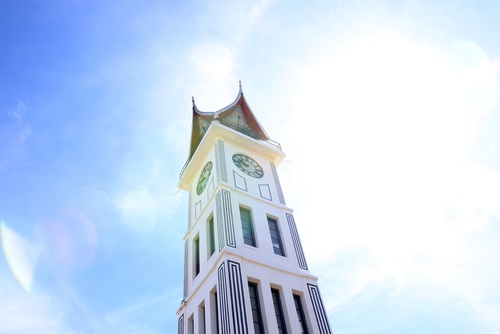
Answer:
(138, 210)
(134, 318)
(24, 313)
(14, 134)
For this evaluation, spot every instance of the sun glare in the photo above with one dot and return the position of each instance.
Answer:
(396, 119)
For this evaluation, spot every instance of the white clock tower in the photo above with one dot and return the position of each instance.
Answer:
(244, 267)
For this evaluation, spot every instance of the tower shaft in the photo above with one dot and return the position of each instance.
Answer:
(245, 270)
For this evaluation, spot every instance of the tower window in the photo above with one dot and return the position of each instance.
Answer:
(247, 227)
(300, 314)
(191, 324)
(275, 236)
(196, 253)
(255, 303)
(214, 315)
(201, 319)
(211, 236)
(278, 311)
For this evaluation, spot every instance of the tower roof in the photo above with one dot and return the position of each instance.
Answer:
(237, 116)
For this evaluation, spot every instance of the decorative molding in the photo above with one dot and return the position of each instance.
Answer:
(217, 164)
(239, 181)
(220, 221)
(197, 209)
(228, 218)
(319, 309)
(231, 299)
(237, 121)
(203, 127)
(220, 161)
(223, 300)
(240, 325)
(296, 242)
(225, 223)
(180, 325)
(265, 191)
(277, 183)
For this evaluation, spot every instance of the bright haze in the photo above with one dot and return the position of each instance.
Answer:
(388, 112)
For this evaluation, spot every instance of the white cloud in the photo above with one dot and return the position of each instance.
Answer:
(138, 210)
(382, 168)
(214, 59)
(258, 10)
(212, 71)
(135, 317)
(26, 313)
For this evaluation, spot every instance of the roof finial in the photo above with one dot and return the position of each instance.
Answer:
(192, 99)
(241, 89)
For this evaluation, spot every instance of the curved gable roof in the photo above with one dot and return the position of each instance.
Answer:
(237, 116)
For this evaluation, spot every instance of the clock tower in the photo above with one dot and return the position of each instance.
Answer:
(244, 267)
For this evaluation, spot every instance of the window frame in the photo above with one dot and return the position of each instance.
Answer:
(214, 307)
(202, 322)
(211, 242)
(253, 293)
(301, 315)
(196, 256)
(278, 239)
(278, 310)
(250, 224)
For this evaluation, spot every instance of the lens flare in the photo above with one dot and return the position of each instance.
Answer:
(22, 255)
(70, 239)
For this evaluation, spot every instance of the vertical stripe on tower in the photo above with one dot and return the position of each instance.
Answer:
(223, 300)
(319, 309)
(228, 218)
(220, 221)
(240, 325)
(225, 224)
(296, 242)
(277, 183)
(221, 161)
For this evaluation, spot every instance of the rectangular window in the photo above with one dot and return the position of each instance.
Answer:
(214, 312)
(255, 304)
(275, 236)
(196, 255)
(191, 324)
(278, 311)
(247, 226)
(201, 318)
(300, 314)
(211, 236)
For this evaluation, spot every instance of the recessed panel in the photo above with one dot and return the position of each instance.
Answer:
(265, 191)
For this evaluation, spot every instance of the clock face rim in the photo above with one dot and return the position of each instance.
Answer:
(252, 168)
(203, 178)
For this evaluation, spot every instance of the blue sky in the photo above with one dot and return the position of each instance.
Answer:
(388, 112)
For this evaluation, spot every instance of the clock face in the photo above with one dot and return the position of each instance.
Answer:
(204, 176)
(248, 165)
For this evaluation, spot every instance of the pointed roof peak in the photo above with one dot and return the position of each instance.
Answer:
(237, 116)
(236, 102)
